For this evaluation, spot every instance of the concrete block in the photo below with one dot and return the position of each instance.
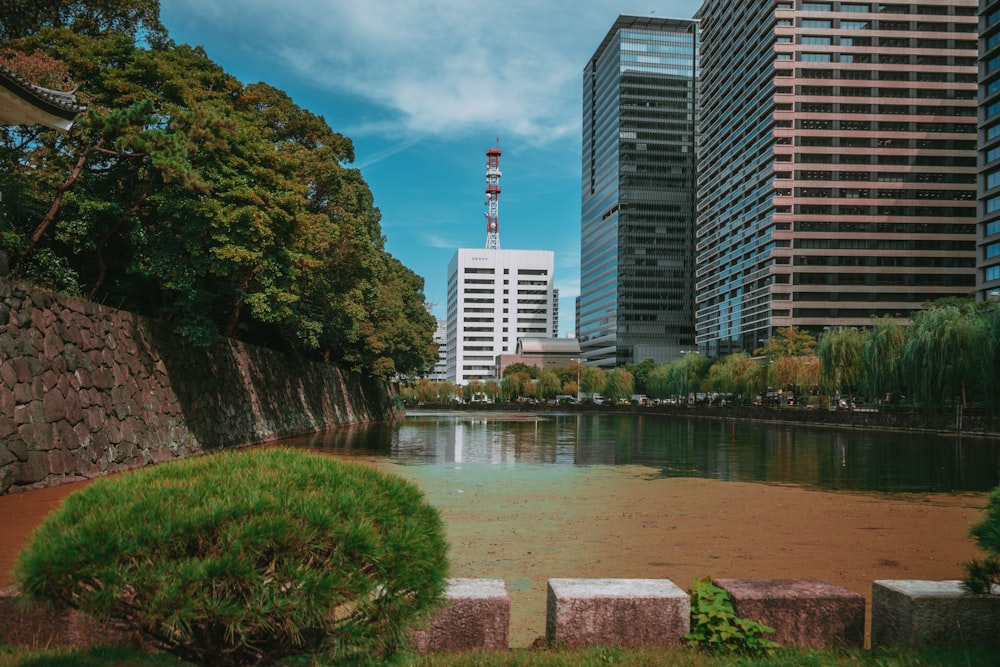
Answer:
(803, 612)
(910, 613)
(616, 612)
(476, 616)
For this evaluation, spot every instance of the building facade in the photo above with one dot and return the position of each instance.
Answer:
(988, 229)
(640, 92)
(495, 297)
(837, 164)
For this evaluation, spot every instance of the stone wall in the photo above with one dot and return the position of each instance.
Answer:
(86, 390)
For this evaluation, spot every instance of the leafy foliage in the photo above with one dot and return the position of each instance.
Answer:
(243, 558)
(220, 207)
(715, 626)
(981, 576)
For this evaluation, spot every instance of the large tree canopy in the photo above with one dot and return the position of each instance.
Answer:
(181, 193)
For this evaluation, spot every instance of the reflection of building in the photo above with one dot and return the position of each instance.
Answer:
(545, 353)
(837, 176)
(495, 297)
(639, 178)
(988, 255)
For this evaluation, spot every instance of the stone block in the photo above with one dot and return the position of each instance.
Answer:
(476, 616)
(911, 613)
(803, 612)
(616, 612)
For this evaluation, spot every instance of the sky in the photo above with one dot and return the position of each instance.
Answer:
(424, 88)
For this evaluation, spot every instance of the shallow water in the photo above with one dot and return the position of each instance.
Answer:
(812, 457)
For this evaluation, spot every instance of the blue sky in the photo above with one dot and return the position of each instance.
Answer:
(424, 88)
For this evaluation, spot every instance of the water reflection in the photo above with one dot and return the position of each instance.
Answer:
(836, 459)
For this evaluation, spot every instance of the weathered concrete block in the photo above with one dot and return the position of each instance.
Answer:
(933, 613)
(617, 612)
(803, 612)
(476, 616)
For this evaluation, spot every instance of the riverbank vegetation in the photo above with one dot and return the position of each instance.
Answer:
(947, 357)
(220, 207)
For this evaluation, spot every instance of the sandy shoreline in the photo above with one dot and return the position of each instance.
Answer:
(527, 524)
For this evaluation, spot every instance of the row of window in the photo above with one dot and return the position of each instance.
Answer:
(880, 193)
(846, 124)
(880, 8)
(881, 58)
(884, 42)
(885, 75)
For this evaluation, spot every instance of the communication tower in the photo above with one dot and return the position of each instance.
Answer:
(493, 198)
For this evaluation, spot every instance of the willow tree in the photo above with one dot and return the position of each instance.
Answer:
(882, 358)
(940, 359)
(840, 353)
(737, 374)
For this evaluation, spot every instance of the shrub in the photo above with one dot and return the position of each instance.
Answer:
(245, 558)
(981, 576)
(716, 627)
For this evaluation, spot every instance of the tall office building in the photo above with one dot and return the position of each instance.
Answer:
(988, 232)
(837, 164)
(640, 92)
(495, 297)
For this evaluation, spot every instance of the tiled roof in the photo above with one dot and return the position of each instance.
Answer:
(18, 97)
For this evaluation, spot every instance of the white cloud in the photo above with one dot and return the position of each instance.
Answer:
(436, 66)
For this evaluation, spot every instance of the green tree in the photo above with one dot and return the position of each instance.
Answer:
(737, 374)
(241, 558)
(136, 18)
(548, 384)
(841, 356)
(640, 373)
(521, 367)
(620, 385)
(788, 341)
(594, 380)
(940, 359)
(882, 358)
(221, 208)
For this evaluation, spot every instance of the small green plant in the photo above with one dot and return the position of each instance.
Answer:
(982, 576)
(245, 558)
(715, 627)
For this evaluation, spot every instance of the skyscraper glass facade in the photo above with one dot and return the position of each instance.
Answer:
(640, 92)
(837, 164)
(988, 233)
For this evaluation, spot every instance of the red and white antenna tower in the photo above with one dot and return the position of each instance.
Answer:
(493, 198)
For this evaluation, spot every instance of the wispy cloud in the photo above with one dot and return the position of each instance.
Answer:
(437, 66)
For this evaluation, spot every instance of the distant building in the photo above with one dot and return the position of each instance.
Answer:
(640, 92)
(837, 164)
(440, 371)
(545, 353)
(495, 297)
(988, 234)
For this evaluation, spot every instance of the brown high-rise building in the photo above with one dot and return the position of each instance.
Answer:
(837, 165)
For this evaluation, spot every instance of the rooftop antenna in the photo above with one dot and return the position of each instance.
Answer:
(493, 197)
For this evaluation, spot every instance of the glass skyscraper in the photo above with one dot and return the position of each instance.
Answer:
(837, 164)
(640, 93)
(988, 275)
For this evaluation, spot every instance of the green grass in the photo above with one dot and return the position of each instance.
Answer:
(598, 656)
